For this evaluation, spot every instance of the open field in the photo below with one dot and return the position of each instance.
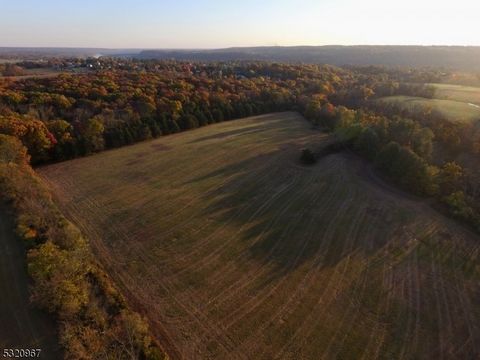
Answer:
(21, 326)
(9, 61)
(466, 94)
(235, 251)
(453, 110)
(43, 73)
(34, 74)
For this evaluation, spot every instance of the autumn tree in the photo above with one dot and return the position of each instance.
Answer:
(65, 142)
(33, 133)
(13, 151)
(450, 178)
(92, 135)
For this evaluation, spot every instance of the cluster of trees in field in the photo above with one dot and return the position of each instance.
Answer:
(94, 320)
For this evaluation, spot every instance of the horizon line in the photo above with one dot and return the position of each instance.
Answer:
(233, 47)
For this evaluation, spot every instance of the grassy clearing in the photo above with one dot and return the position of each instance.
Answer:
(465, 94)
(9, 61)
(35, 74)
(454, 110)
(234, 250)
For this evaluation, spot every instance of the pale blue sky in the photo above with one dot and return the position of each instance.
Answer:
(214, 24)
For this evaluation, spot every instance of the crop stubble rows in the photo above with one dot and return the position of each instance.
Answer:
(236, 251)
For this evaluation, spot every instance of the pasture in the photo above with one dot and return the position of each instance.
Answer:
(453, 110)
(465, 94)
(233, 250)
(34, 74)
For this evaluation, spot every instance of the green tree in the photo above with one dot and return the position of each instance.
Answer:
(450, 177)
(422, 142)
(458, 205)
(92, 135)
(63, 133)
(407, 169)
(368, 143)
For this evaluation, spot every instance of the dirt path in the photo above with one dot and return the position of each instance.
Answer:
(21, 326)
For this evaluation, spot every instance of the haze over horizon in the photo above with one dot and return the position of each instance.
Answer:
(208, 24)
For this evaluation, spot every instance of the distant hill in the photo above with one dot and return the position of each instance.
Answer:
(49, 52)
(452, 57)
(457, 57)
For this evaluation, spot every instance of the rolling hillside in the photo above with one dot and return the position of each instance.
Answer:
(461, 93)
(233, 250)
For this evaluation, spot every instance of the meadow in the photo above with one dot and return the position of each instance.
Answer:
(34, 74)
(233, 249)
(454, 110)
(461, 93)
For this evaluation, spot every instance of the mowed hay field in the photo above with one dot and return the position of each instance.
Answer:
(466, 94)
(233, 250)
(454, 110)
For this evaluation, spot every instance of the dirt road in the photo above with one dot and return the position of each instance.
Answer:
(21, 326)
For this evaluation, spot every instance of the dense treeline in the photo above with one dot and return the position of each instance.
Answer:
(94, 320)
(453, 137)
(75, 115)
(120, 102)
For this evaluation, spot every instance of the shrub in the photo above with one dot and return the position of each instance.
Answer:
(308, 157)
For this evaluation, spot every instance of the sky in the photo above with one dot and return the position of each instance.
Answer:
(218, 24)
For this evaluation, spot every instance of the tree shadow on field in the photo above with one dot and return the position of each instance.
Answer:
(288, 214)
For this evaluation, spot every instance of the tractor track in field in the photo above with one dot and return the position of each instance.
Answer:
(334, 287)
(285, 308)
(239, 285)
(329, 233)
(205, 260)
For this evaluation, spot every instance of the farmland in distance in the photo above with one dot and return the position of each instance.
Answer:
(453, 110)
(461, 93)
(232, 249)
